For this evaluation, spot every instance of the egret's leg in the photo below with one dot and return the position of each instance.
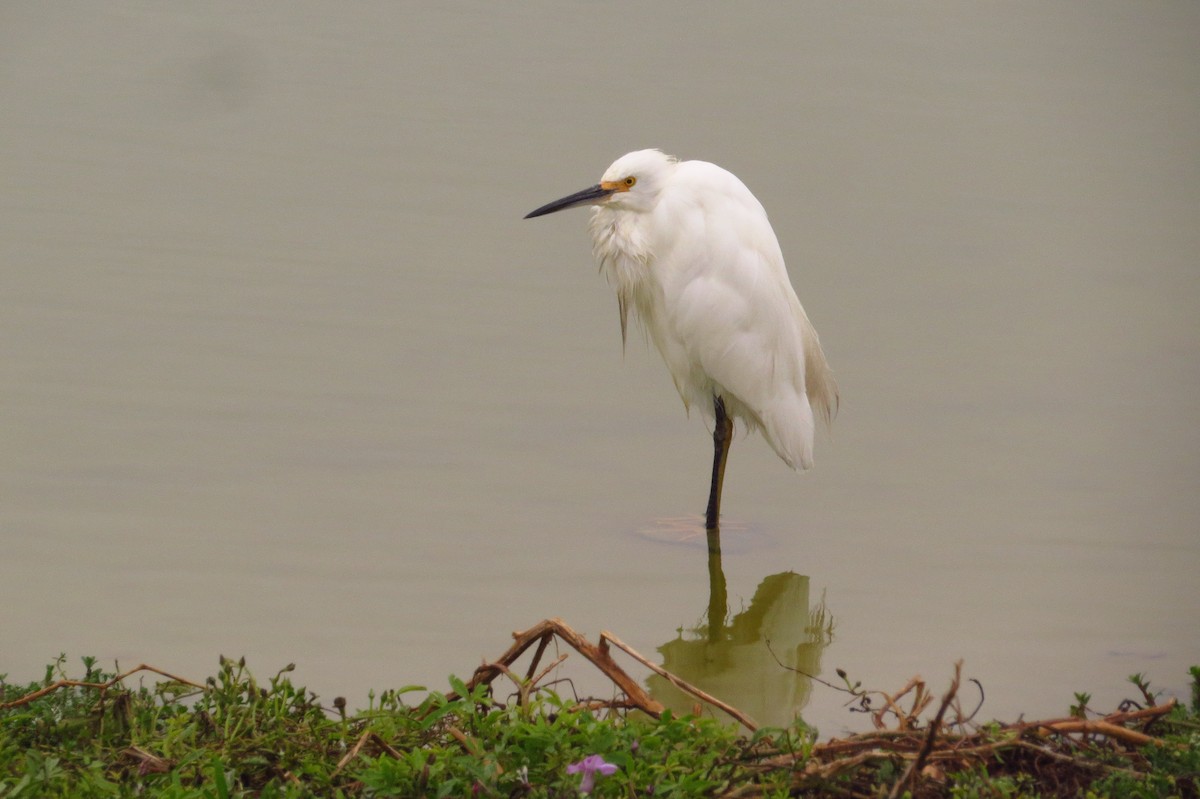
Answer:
(718, 595)
(722, 436)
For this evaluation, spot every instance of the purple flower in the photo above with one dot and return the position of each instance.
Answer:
(590, 766)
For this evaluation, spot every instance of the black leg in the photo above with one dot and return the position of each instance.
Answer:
(718, 596)
(722, 436)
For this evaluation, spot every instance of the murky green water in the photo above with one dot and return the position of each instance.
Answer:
(286, 375)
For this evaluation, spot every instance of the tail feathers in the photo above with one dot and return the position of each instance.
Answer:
(819, 382)
(788, 428)
(822, 389)
(789, 421)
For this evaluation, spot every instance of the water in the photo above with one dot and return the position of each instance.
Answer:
(286, 375)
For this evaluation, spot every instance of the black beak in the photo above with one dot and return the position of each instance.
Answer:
(588, 196)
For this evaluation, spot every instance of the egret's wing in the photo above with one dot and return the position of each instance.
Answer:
(733, 318)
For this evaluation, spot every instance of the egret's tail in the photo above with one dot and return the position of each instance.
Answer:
(819, 384)
(788, 428)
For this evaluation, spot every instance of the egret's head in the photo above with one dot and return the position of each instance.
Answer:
(636, 178)
(632, 182)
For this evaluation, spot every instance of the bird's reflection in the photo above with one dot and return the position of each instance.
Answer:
(729, 657)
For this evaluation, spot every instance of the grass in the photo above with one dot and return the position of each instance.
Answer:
(94, 735)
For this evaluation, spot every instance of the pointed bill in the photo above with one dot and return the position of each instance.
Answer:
(589, 196)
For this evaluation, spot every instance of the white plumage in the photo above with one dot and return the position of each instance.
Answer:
(692, 255)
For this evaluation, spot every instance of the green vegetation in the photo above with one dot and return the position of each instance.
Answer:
(98, 736)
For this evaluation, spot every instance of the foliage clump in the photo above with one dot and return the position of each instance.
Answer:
(237, 737)
(108, 735)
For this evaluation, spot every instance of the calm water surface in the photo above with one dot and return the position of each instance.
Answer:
(285, 374)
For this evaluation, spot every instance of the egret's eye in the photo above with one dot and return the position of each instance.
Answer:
(629, 181)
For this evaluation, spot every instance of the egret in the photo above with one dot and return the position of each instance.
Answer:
(692, 254)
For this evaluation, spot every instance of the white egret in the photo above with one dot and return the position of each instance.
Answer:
(692, 254)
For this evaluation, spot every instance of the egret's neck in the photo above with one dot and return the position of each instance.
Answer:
(622, 251)
(620, 247)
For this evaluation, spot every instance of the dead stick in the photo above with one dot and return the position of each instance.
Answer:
(598, 657)
(891, 701)
(100, 686)
(353, 753)
(832, 768)
(1145, 714)
(369, 735)
(915, 767)
(1105, 728)
(522, 641)
(537, 656)
(522, 689)
(557, 662)
(464, 740)
(525, 686)
(679, 683)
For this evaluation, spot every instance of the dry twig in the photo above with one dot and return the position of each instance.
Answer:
(102, 687)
